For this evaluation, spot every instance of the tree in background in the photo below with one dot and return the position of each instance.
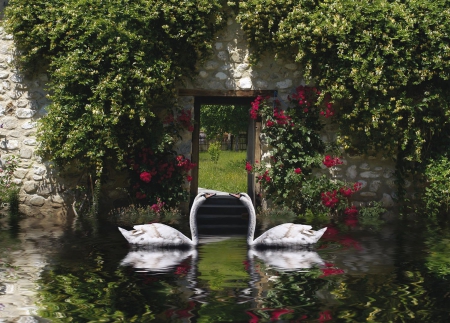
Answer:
(215, 120)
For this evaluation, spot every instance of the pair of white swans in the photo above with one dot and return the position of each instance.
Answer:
(283, 235)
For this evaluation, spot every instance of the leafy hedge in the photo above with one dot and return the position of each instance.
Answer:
(385, 63)
(113, 64)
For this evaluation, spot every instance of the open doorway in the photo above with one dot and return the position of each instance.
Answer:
(224, 97)
(223, 142)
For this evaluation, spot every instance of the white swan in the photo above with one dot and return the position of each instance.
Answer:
(283, 235)
(161, 235)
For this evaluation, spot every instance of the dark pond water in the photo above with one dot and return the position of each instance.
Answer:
(397, 272)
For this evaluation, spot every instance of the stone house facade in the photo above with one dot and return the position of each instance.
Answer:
(226, 78)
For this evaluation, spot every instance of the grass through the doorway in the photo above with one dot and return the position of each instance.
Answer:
(228, 175)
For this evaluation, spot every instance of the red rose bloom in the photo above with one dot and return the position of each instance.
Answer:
(145, 177)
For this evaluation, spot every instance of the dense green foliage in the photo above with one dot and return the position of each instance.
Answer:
(437, 193)
(215, 120)
(295, 149)
(386, 62)
(112, 65)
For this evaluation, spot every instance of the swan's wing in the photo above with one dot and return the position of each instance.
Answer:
(155, 234)
(289, 234)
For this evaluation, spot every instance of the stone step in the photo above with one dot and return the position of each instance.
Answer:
(222, 209)
(222, 219)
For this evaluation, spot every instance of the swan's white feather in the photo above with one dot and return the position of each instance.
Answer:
(283, 235)
(161, 235)
(156, 234)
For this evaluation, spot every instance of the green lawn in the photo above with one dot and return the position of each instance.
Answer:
(228, 175)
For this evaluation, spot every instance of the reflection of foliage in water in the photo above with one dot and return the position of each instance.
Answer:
(396, 297)
(438, 259)
(89, 293)
(222, 272)
(294, 292)
(221, 265)
(220, 311)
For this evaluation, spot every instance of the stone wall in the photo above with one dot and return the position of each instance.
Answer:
(229, 68)
(23, 102)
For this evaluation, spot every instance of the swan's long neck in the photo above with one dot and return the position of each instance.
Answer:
(251, 218)
(199, 200)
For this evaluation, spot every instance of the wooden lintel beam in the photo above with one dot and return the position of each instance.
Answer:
(223, 93)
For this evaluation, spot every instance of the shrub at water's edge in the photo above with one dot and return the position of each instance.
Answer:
(9, 191)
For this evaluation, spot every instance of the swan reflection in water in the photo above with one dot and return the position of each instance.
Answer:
(166, 261)
(287, 259)
(157, 260)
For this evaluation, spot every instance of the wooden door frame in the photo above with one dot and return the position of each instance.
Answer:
(219, 97)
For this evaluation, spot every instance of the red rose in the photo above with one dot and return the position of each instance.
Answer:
(145, 177)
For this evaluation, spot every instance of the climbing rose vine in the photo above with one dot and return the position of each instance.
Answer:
(157, 176)
(292, 133)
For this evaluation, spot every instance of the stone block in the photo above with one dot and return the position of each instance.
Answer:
(20, 173)
(9, 144)
(369, 174)
(362, 183)
(38, 170)
(26, 153)
(58, 199)
(29, 187)
(15, 94)
(25, 113)
(245, 83)
(29, 142)
(37, 200)
(16, 78)
(352, 172)
(221, 76)
(29, 125)
(211, 65)
(222, 55)
(367, 194)
(364, 166)
(375, 186)
(284, 84)
(291, 66)
(9, 123)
